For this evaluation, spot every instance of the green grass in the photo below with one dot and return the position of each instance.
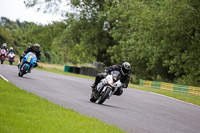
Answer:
(181, 96)
(21, 111)
(6, 62)
(59, 71)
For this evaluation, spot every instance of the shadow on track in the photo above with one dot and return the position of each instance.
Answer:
(25, 77)
(105, 105)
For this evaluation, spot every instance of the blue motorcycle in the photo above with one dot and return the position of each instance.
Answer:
(27, 63)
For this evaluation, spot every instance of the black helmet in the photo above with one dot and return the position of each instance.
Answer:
(125, 68)
(36, 47)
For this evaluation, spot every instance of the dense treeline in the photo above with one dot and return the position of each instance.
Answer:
(160, 38)
(20, 35)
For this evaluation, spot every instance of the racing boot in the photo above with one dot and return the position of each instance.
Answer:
(97, 80)
(30, 70)
(93, 86)
(119, 92)
(18, 64)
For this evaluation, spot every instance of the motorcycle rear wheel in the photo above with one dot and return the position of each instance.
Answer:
(92, 98)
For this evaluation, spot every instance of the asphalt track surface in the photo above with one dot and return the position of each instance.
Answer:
(136, 111)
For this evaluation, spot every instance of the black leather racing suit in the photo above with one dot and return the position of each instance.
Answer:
(3, 47)
(31, 49)
(124, 78)
(10, 51)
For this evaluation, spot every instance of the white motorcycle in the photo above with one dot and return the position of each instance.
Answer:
(11, 57)
(106, 87)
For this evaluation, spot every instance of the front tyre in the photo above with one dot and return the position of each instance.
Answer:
(104, 96)
(2, 60)
(21, 73)
(11, 62)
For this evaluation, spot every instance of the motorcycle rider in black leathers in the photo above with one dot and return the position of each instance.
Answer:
(4, 46)
(124, 69)
(34, 49)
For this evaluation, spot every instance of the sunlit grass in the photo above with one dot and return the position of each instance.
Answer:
(181, 96)
(21, 111)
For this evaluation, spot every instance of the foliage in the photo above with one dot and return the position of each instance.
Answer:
(160, 38)
(21, 35)
(6, 36)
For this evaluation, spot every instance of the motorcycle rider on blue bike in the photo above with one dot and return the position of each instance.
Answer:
(34, 49)
(124, 69)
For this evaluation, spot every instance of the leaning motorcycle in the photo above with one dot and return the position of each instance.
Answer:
(2, 55)
(27, 63)
(106, 87)
(11, 57)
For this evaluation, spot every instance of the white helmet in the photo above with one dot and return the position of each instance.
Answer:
(36, 46)
(11, 48)
(125, 68)
(5, 45)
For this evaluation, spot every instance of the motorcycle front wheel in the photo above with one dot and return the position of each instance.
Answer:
(25, 68)
(104, 96)
(2, 60)
(11, 62)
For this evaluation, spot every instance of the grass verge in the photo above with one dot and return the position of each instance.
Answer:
(21, 111)
(181, 96)
(59, 71)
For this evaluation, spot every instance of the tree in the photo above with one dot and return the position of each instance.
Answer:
(155, 36)
(6, 37)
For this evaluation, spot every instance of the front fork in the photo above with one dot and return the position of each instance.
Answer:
(111, 92)
(98, 90)
(21, 65)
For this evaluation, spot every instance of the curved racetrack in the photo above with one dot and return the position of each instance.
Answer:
(135, 111)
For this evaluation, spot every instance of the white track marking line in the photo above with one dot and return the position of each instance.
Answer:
(3, 78)
(174, 99)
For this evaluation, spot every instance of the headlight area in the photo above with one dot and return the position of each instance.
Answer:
(110, 81)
